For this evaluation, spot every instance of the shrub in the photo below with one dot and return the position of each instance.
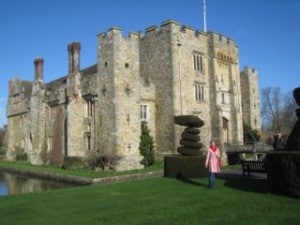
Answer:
(146, 146)
(101, 160)
(73, 162)
(250, 136)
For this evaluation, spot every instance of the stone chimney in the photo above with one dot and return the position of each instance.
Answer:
(38, 69)
(74, 57)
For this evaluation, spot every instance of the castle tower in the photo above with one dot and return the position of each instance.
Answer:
(250, 98)
(76, 106)
(36, 135)
(187, 70)
(225, 102)
(118, 66)
(157, 47)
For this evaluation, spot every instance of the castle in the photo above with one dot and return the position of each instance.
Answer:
(145, 77)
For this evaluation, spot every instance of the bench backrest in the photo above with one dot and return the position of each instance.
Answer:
(254, 164)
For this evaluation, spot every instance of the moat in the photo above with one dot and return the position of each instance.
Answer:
(11, 184)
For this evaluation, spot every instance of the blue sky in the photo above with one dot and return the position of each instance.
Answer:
(266, 31)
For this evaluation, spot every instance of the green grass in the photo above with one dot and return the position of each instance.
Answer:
(159, 201)
(82, 172)
(149, 201)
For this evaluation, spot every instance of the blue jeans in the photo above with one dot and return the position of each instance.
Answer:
(212, 180)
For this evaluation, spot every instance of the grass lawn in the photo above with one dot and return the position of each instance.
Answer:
(159, 201)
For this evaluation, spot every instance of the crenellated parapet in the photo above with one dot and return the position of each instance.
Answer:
(222, 48)
(166, 26)
(220, 40)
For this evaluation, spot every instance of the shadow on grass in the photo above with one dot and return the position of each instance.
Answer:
(185, 179)
(255, 184)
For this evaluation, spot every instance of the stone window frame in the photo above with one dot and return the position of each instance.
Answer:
(198, 61)
(90, 101)
(144, 112)
(199, 92)
(224, 98)
(88, 141)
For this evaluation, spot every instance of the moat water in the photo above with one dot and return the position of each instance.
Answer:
(11, 184)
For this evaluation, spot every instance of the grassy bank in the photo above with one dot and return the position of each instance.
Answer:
(153, 201)
(82, 172)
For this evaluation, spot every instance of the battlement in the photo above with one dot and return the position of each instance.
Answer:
(218, 38)
(249, 70)
(117, 32)
(166, 26)
(172, 25)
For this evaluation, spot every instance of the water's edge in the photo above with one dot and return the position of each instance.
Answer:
(80, 180)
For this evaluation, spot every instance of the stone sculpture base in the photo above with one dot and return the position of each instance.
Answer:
(187, 166)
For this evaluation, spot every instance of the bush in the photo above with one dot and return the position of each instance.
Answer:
(106, 161)
(73, 162)
(146, 146)
(250, 136)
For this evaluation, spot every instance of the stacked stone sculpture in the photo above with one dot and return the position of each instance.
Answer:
(190, 140)
(293, 142)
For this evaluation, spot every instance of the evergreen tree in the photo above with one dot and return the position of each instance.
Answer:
(146, 146)
(250, 135)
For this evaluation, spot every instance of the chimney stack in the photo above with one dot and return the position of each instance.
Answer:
(74, 57)
(38, 69)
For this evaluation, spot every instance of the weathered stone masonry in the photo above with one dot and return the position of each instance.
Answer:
(152, 76)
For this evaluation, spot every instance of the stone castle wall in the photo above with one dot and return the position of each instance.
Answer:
(152, 76)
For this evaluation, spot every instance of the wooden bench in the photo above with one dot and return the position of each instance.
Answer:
(249, 166)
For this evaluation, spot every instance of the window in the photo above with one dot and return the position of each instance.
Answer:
(90, 107)
(198, 64)
(223, 98)
(144, 112)
(88, 142)
(199, 92)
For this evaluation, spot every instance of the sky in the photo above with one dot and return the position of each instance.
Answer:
(267, 33)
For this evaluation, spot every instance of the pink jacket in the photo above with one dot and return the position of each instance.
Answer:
(213, 160)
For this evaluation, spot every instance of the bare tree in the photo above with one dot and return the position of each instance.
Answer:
(277, 110)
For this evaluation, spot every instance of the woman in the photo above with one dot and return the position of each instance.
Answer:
(213, 163)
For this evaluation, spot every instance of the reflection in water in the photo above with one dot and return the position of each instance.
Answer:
(3, 189)
(14, 184)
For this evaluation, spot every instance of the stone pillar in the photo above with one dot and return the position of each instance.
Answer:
(38, 69)
(74, 57)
